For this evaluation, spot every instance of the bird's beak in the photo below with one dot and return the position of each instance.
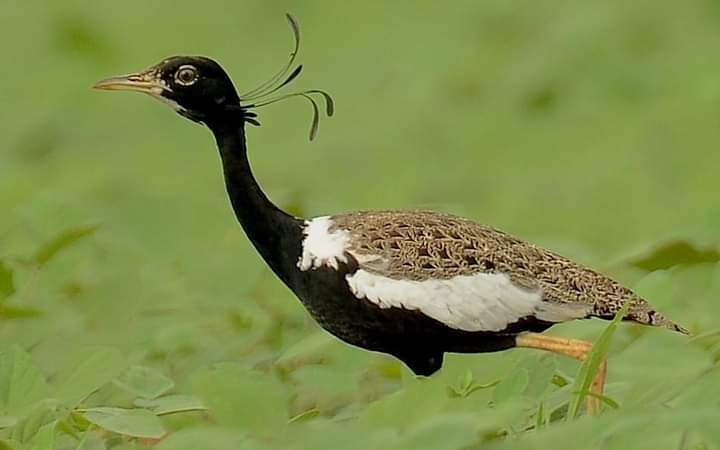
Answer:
(147, 82)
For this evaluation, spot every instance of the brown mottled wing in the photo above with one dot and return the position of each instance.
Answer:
(421, 245)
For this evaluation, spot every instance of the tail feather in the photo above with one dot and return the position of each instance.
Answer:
(642, 312)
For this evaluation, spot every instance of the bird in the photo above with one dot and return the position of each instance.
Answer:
(413, 284)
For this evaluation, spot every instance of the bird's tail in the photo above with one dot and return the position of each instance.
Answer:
(642, 312)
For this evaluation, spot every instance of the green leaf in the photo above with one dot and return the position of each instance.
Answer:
(98, 367)
(91, 441)
(9, 312)
(447, 432)
(428, 397)
(245, 399)
(467, 385)
(325, 434)
(9, 444)
(171, 404)
(541, 370)
(512, 386)
(45, 437)
(591, 365)
(145, 382)
(204, 437)
(128, 445)
(128, 422)
(7, 281)
(675, 253)
(28, 427)
(21, 383)
(7, 421)
(61, 242)
(313, 345)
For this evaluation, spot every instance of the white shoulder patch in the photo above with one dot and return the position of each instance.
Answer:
(321, 247)
(478, 302)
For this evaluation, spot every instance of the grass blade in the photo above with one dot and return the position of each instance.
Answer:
(591, 365)
(7, 281)
(66, 239)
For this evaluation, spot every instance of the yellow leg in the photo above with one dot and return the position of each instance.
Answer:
(575, 349)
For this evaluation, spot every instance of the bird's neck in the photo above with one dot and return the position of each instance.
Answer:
(275, 234)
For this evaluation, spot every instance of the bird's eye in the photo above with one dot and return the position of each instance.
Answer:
(186, 75)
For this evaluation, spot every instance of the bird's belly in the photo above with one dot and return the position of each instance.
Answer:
(357, 321)
(341, 315)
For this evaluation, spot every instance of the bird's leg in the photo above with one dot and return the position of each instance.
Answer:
(573, 348)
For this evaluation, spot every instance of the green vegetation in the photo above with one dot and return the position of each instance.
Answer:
(133, 308)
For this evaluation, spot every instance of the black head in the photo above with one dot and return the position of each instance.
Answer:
(195, 86)
(199, 89)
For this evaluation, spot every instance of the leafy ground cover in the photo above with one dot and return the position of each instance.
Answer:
(134, 314)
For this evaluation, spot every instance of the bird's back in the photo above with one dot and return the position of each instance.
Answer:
(426, 245)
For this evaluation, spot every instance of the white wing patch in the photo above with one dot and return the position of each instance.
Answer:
(321, 247)
(478, 302)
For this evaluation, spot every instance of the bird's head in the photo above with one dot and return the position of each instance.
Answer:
(199, 89)
(194, 86)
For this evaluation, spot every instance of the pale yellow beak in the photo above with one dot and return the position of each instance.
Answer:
(146, 82)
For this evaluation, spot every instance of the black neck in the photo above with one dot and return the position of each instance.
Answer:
(275, 234)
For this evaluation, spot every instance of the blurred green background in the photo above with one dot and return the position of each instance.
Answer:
(126, 284)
